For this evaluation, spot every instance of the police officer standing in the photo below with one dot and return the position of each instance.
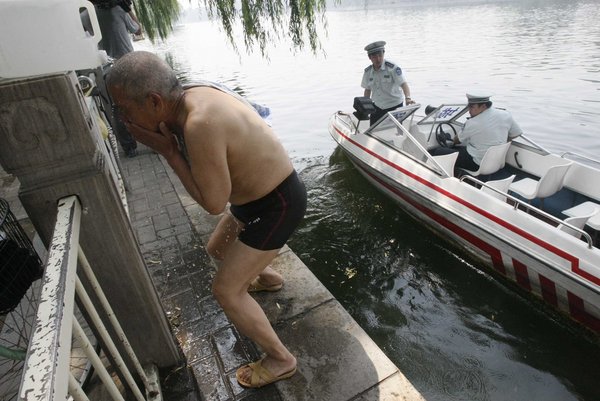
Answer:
(382, 81)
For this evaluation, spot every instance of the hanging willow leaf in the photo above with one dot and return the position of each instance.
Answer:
(262, 21)
(157, 16)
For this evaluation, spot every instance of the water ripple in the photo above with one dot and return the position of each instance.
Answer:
(456, 332)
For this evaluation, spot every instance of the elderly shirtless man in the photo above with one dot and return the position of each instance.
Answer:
(223, 152)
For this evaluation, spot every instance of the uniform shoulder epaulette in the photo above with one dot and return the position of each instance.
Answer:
(369, 68)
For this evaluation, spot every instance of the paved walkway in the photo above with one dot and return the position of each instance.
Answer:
(336, 359)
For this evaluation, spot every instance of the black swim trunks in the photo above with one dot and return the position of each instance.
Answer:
(271, 220)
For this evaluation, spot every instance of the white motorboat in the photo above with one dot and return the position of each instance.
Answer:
(530, 215)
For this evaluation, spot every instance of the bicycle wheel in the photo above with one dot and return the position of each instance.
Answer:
(16, 328)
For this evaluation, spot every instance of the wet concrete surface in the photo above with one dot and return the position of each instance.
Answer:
(336, 359)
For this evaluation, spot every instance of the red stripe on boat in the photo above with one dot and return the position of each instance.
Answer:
(521, 275)
(579, 313)
(548, 290)
(574, 261)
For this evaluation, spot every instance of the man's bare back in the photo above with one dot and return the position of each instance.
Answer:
(229, 141)
(233, 154)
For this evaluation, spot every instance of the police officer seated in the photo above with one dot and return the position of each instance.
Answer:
(486, 127)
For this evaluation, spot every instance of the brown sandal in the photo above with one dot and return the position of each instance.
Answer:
(256, 286)
(261, 376)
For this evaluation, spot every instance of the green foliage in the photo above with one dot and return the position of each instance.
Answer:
(157, 16)
(262, 21)
(303, 16)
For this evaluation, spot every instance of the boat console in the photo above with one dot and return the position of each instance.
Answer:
(363, 107)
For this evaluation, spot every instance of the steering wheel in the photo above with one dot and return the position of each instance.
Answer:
(443, 137)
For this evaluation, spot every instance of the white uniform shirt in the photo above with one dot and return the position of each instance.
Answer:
(488, 128)
(384, 84)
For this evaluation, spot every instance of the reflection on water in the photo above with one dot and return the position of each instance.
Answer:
(456, 332)
(539, 58)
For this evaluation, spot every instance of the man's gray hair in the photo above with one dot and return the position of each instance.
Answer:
(140, 73)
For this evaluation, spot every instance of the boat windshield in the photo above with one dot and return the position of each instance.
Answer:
(446, 113)
(392, 133)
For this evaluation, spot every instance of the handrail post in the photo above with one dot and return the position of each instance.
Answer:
(46, 375)
(53, 146)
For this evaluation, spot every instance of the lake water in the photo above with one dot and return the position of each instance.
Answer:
(457, 332)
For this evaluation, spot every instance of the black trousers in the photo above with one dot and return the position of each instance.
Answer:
(378, 113)
(124, 137)
(464, 159)
(126, 140)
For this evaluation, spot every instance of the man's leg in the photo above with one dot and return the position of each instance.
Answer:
(224, 236)
(376, 115)
(226, 232)
(126, 140)
(239, 267)
(440, 151)
(465, 160)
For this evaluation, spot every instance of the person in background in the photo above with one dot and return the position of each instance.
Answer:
(117, 22)
(231, 156)
(384, 82)
(487, 127)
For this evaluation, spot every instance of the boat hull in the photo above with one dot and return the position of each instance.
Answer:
(540, 260)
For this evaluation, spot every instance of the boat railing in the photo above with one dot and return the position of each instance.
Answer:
(528, 208)
(579, 156)
(562, 155)
(348, 122)
(532, 143)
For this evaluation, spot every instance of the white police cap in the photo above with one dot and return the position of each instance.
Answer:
(478, 98)
(375, 47)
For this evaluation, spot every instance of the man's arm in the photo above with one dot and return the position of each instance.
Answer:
(365, 84)
(406, 91)
(209, 177)
(134, 18)
(131, 23)
(514, 130)
(470, 128)
(215, 201)
(209, 186)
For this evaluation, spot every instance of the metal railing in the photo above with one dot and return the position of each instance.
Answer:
(46, 374)
(528, 208)
(579, 156)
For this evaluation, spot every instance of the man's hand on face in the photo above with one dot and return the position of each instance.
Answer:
(163, 141)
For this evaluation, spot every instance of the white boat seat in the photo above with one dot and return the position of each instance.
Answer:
(500, 185)
(493, 160)
(549, 184)
(578, 221)
(447, 162)
(586, 208)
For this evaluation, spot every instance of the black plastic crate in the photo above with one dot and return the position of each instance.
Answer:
(20, 264)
